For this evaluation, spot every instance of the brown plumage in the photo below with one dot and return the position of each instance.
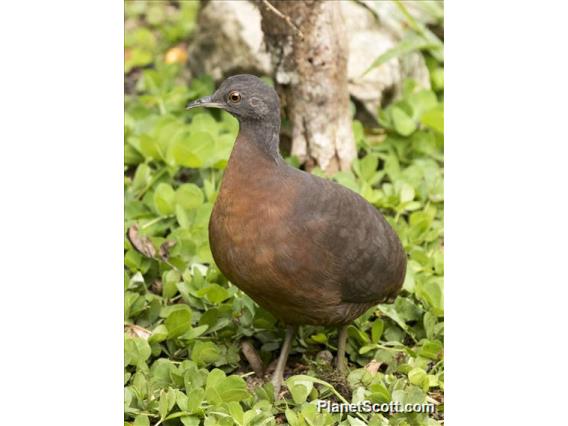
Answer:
(306, 249)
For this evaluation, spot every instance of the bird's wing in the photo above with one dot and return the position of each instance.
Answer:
(362, 254)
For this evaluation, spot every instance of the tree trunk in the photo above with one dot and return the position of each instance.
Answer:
(308, 46)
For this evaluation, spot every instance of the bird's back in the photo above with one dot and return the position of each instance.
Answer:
(364, 252)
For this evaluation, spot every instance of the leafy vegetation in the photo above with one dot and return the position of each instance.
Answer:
(185, 323)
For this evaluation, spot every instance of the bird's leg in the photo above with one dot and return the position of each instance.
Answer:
(341, 342)
(279, 372)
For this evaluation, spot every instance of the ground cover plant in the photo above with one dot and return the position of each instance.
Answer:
(186, 325)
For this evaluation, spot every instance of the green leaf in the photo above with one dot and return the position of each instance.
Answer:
(203, 122)
(319, 338)
(154, 144)
(419, 377)
(407, 309)
(437, 78)
(367, 348)
(164, 199)
(431, 291)
(431, 349)
(434, 119)
(392, 313)
(189, 196)
(141, 37)
(220, 388)
(141, 420)
(183, 217)
(159, 334)
(300, 383)
(150, 147)
(170, 279)
(421, 102)
(161, 373)
(292, 417)
(236, 412)
(409, 45)
(203, 85)
(430, 322)
(167, 402)
(178, 322)
(142, 177)
(377, 330)
(190, 420)
(358, 334)
(193, 151)
(155, 14)
(234, 388)
(367, 167)
(136, 350)
(403, 124)
(406, 193)
(181, 400)
(128, 395)
(137, 58)
(300, 387)
(214, 293)
(194, 333)
(420, 30)
(347, 179)
(195, 397)
(414, 395)
(379, 393)
(205, 353)
(355, 422)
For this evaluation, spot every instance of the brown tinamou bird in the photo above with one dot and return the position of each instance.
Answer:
(308, 250)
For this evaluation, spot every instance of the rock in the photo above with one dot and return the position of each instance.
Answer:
(228, 40)
(324, 357)
(368, 39)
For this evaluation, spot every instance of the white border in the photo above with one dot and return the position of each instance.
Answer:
(505, 218)
(61, 212)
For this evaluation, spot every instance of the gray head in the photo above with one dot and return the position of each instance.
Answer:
(246, 97)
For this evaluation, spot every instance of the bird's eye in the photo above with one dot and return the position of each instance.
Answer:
(234, 96)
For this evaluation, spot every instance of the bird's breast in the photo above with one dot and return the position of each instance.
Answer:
(257, 246)
(248, 225)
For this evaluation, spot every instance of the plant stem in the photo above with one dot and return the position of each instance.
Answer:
(156, 220)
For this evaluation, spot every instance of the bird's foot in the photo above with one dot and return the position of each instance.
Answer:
(341, 365)
(341, 361)
(278, 376)
(277, 384)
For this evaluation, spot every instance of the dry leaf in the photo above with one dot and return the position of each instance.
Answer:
(176, 55)
(165, 249)
(156, 287)
(373, 366)
(141, 243)
(137, 331)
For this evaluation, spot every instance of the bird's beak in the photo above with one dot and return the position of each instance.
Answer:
(207, 101)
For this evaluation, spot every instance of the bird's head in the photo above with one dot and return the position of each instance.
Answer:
(246, 97)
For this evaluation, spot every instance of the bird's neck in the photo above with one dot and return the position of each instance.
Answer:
(254, 159)
(257, 143)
